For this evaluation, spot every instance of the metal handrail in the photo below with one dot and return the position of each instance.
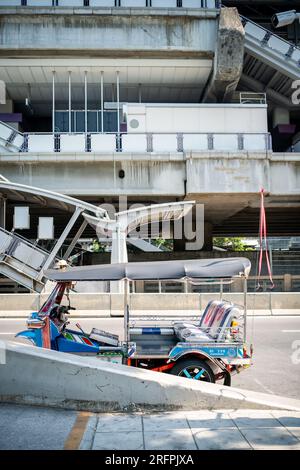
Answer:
(146, 133)
(56, 3)
(271, 32)
(24, 240)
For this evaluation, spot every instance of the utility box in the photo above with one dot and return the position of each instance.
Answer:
(46, 228)
(21, 218)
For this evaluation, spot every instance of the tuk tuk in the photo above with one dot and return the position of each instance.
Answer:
(212, 347)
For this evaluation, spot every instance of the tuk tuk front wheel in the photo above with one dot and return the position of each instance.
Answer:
(194, 368)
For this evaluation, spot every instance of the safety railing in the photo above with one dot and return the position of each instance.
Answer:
(20, 249)
(265, 38)
(10, 139)
(114, 3)
(148, 142)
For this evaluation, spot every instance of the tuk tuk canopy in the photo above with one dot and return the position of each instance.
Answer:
(196, 269)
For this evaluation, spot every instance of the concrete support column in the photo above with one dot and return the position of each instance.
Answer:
(118, 255)
(139, 287)
(287, 282)
(229, 57)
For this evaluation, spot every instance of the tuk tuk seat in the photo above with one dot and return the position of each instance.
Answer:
(222, 318)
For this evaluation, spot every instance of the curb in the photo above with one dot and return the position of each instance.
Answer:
(44, 377)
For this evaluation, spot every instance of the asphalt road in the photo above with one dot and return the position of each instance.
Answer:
(276, 361)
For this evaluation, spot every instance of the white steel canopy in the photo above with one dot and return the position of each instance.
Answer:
(32, 194)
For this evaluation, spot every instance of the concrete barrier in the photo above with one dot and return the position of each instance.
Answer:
(42, 377)
(101, 304)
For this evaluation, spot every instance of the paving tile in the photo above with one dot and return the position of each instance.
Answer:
(220, 439)
(118, 441)
(119, 423)
(165, 421)
(254, 419)
(288, 418)
(175, 439)
(271, 439)
(209, 419)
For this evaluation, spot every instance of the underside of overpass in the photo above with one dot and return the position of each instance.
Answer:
(282, 217)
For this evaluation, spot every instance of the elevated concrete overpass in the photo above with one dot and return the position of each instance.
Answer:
(227, 183)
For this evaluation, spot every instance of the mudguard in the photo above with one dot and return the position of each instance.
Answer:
(28, 334)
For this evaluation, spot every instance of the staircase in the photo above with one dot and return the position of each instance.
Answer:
(22, 261)
(271, 49)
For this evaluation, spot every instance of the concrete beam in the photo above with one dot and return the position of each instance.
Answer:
(42, 377)
(272, 95)
(116, 33)
(229, 57)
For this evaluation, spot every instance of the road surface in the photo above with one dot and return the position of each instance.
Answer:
(276, 340)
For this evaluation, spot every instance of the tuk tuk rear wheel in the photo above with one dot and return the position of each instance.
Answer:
(194, 368)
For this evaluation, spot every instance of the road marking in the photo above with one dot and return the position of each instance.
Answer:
(268, 390)
(76, 434)
(1, 334)
(290, 331)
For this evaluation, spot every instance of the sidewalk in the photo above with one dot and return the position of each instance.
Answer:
(24, 427)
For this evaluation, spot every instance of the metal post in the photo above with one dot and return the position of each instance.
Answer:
(70, 103)
(75, 239)
(53, 101)
(221, 289)
(102, 103)
(118, 101)
(60, 241)
(85, 102)
(126, 311)
(245, 310)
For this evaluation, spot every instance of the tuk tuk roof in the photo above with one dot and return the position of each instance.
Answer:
(213, 268)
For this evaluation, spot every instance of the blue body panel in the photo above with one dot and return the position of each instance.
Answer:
(218, 351)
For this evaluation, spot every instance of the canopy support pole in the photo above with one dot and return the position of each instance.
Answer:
(53, 101)
(70, 102)
(75, 239)
(126, 311)
(102, 101)
(60, 241)
(245, 310)
(85, 104)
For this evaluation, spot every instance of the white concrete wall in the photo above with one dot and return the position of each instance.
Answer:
(151, 302)
(197, 118)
